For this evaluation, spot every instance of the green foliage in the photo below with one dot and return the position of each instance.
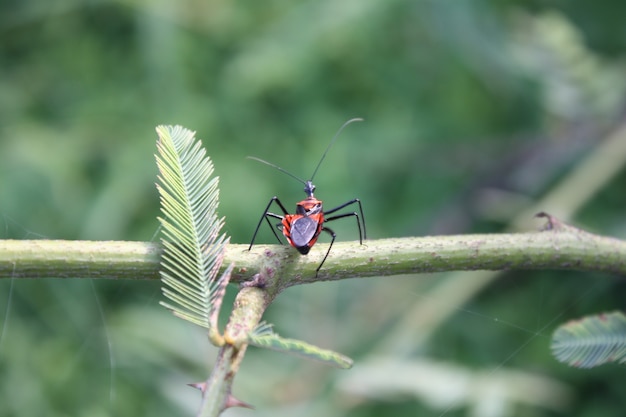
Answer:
(474, 109)
(264, 337)
(591, 341)
(193, 247)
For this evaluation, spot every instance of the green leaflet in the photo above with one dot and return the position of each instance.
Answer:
(264, 337)
(591, 341)
(193, 247)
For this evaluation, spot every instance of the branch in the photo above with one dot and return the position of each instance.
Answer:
(558, 247)
(249, 306)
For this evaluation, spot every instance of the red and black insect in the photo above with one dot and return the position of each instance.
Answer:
(304, 227)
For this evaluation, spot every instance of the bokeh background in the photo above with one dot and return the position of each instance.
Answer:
(476, 114)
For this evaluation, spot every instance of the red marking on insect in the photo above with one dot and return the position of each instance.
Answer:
(304, 227)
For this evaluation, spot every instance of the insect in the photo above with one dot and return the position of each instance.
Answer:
(304, 227)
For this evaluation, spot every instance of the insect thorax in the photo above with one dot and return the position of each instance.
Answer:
(309, 207)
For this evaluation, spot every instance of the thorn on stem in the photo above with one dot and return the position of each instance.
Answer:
(552, 223)
(198, 385)
(231, 401)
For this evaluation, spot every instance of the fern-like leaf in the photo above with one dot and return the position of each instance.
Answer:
(263, 336)
(591, 341)
(193, 247)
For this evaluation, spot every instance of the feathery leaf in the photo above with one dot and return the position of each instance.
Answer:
(193, 247)
(591, 341)
(263, 336)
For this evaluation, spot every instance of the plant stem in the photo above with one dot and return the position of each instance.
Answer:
(79, 259)
(560, 248)
(247, 311)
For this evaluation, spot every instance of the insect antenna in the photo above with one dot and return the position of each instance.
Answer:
(356, 119)
(278, 168)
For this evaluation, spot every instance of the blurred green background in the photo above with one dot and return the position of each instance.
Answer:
(474, 111)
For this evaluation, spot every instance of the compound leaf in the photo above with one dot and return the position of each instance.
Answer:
(591, 341)
(264, 337)
(193, 246)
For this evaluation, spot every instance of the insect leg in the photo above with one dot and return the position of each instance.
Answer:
(359, 220)
(332, 240)
(272, 228)
(266, 215)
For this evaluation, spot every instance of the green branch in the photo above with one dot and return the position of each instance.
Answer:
(559, 247)
(79, 259)
(249, 306)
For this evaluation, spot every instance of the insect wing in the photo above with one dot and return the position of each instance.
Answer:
(303, 233)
